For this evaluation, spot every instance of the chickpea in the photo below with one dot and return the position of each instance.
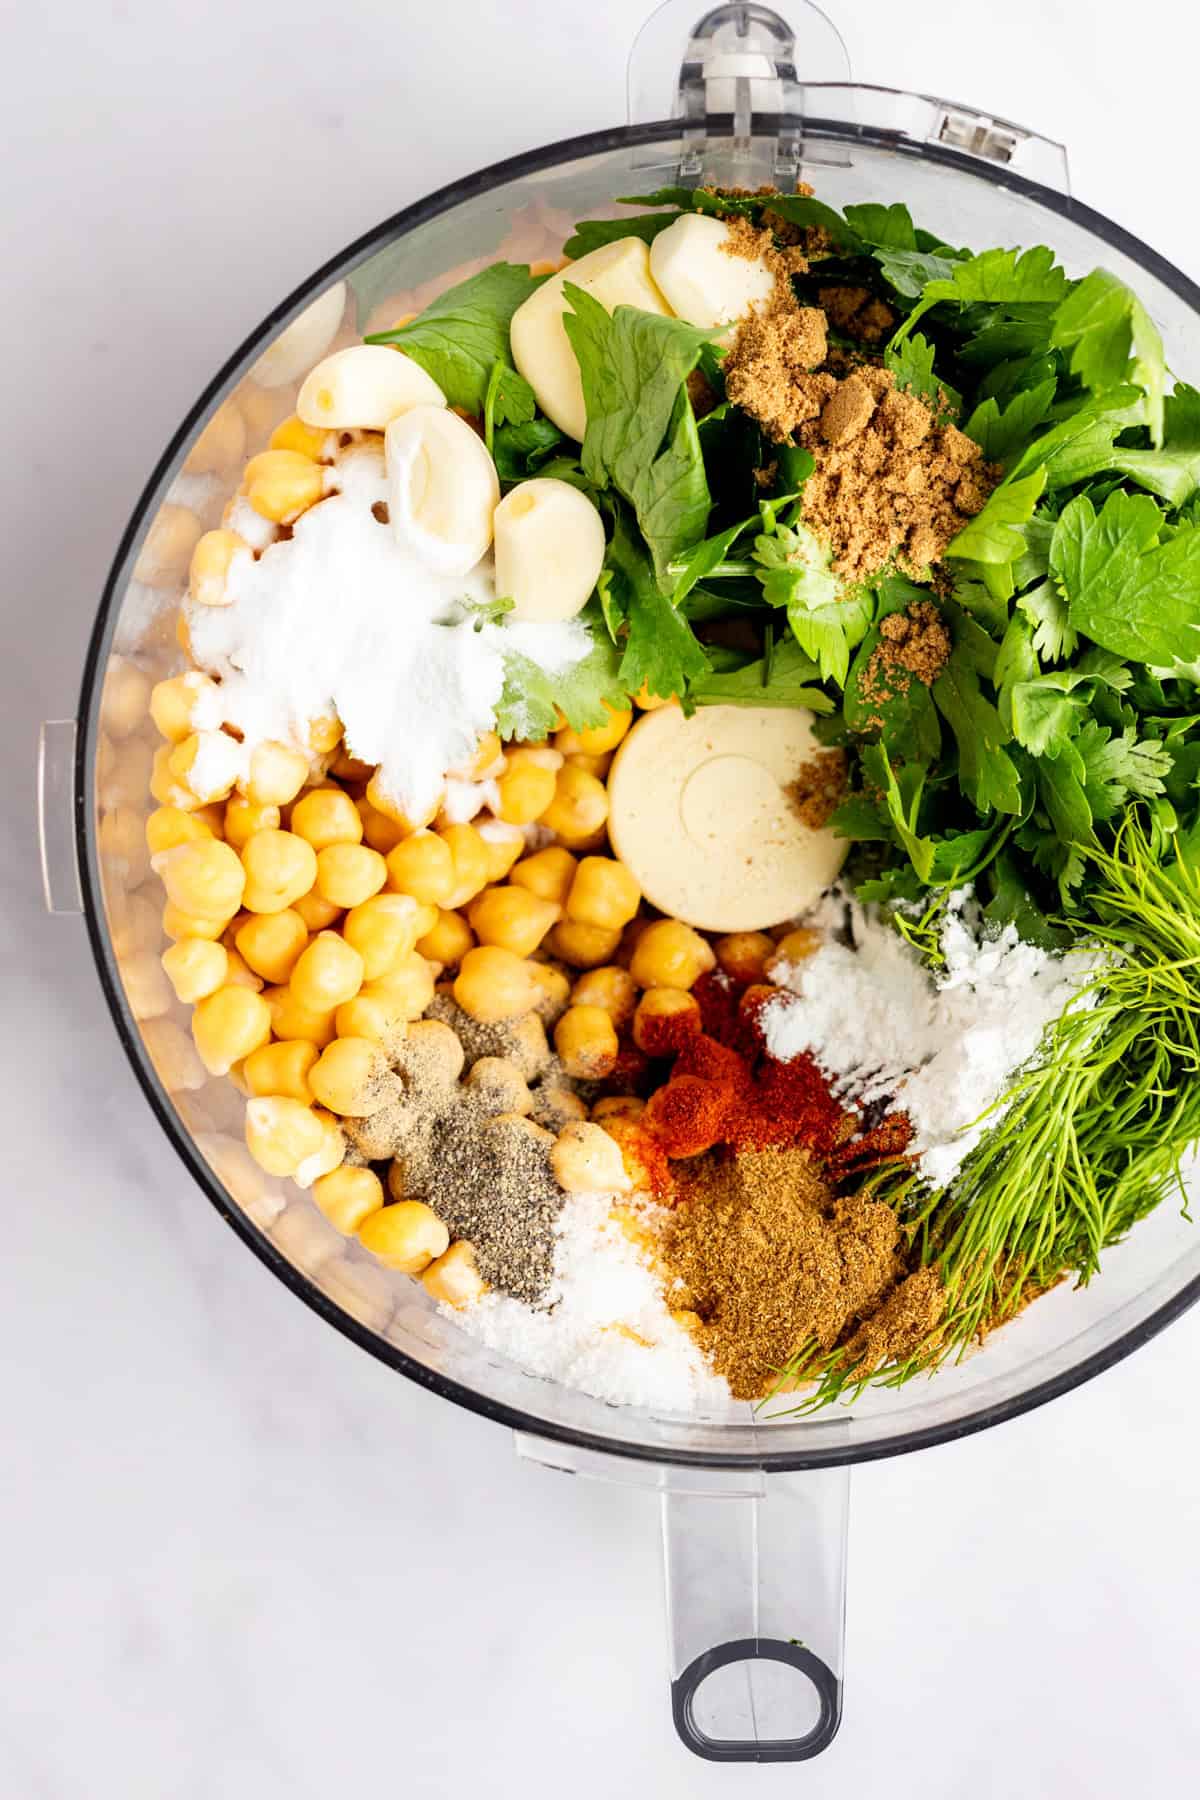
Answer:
(792, 948)
(513, 918)
(242, 820)
(281, 484)
(586, 1042)
(383, 802)
(195, 967)
(349, 874)
(347, 1196)
(382, 929)
(586, 1160)
(327, 973)
(453, 1279)
(204, 877)
(547, 873)
(282, 1134)
(743, 955)
(350, 1076)
(379, 832)
(582, 946)
(291, 1020)
(168, 826)
(618, 1106)
(179, 924)
(125, 701)
(592, 765)
(526, 788)
(277, 774)
(388, 1002)
(579, 808)
(239, 973)
(280, 867)
(503, 844)
(481, 763)
(318, 914)
(603, 893)
(670, 954)
(595, 740)
(228, 1025)
(448, 941)
(282, 1068)
(423, 866)
(172, 702)
(494, 984)
(608, 987)
(499, 1085)
(407, 1235)
(271, 943)
(665, 1019)
(326, 816)
(554, 991)
(469, 854)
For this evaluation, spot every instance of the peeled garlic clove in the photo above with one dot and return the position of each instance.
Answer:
(442, 488)
(705, 283)
(549, 549)
(300, 344)
(365, 387)
(618, 274)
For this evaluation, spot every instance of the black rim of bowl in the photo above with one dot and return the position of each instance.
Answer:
(472, 186)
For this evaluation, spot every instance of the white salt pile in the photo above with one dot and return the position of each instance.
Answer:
(941, 1047)
(605, 1326)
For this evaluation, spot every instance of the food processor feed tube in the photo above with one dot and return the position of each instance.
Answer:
(754, 1507)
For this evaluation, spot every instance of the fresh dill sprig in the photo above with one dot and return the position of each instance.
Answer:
(1087, 1140)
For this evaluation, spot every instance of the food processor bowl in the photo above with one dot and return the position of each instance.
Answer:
(754, 1507)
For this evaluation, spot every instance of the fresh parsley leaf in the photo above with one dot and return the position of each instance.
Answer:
(1016, 663)
(992, 536)
(996, 278)
(705, 200)
(1053, 637)
(593, 234)
(787, 680)
(1061, 791)
(1011, 903)
(1113, 340)
(660, 651)
(1125, 590)
(1116, 767)
(795, 572)
(641, 433)
(803, 210)
(521, 450)
(708, 556)
(986, 772)
(909, 272)
(902, 791)
(462, 334)
(527, 706)
(1043, 716)
(1174, 471)
(904, 719)
(999, 433)
(487, 612)
(883, 227)
(911, 362)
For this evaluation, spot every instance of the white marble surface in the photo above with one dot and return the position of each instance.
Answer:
(241, 1560)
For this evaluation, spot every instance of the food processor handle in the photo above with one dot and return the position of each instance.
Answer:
(755, 1568)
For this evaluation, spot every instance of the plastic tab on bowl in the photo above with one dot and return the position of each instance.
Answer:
(736, 80)
(56, 816)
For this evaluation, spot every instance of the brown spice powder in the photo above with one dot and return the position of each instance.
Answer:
(890, 483)
(770, 1260)
(913, 646)
(856, 313)
(817, 791)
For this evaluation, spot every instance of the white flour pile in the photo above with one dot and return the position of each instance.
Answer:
(602, 1291)
(943, 1048)
(341, 619)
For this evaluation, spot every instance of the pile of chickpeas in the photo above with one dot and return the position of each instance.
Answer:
(311, 923)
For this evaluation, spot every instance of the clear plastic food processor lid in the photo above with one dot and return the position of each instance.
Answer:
(731, 101)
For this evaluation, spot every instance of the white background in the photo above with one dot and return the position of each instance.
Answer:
(241, 1561)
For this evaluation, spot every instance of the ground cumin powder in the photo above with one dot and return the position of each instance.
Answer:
(770, 1259)
(913, 646)
(819, 786)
